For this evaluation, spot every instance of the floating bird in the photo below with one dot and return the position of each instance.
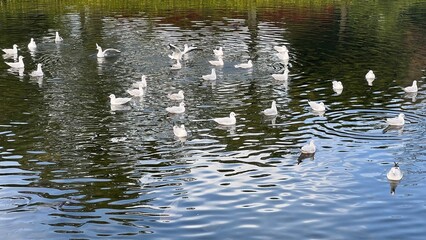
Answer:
(411, 89)
(394, 173)
(308, 148)
(136, 92)
(370, 75)
(11, 51)
(396, 121)
(271, 111)
(176, 109)
(317, 106)
(218, 52)
(218, 62)
(177, 53)
(281, 49)
(176, 96)
(118, 101)
(19, 64)
(58, 38)
(180, 132)
(226, 120)
(38, 72)
(32, 46)
(103, 53)
(337, 85)
(141, 83)
(211, 76)
(281, 77)
(283, 56)
(177, 65)
(249, 64)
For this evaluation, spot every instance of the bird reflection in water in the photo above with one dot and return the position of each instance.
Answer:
(304, 156)
(392, 128)
(393, 184)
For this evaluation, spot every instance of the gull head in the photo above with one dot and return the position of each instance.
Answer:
(232, 114)
(112, 96)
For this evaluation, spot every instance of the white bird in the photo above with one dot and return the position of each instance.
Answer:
(180, 132)
(211, 76)
(370, 75)
(281, 49)
(281, 77)
(118, 101)
(317, 106)
(58, 38)
(38, 72)
(394, 174)
(141, 83)
(249, 64)
(176, 96)
(177, 65)
(271, 111)
(396, 121)
(283, 56)
(11, 51)
(308, 148)
(19, 64)
(32, 46)
(231, 120)
(218, 62)
(176, 109)
(337, 85)
(411, 89)
(103, 53)
(136, 92)
(177, 53)
(218, 52)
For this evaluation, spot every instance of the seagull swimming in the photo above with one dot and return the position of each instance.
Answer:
(218, 62)
(317, 106)
(176, 96)
(58, 38)
(211, 76)
(394, 173)
(218, 52)
(177, 65)
(249, 64)
(281, 77)
(32, 46)
(281, 49)
(226, 120)
(411, 89)
(370, 75)
(118, 101)
(136, 92)
(337, 85)
(177, 53)
(19, 64)
(103, 53)
(176, 109)
(11, 51)
(396, 121)
(271, 111)
(38, 72)
(283, 56)
(141, 83)
(308, 148)
(180, 132)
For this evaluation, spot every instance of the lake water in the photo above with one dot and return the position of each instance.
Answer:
(73, 168)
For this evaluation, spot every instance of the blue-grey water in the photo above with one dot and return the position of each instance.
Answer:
(73, 168)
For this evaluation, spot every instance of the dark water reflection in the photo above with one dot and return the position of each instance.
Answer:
(72, 167)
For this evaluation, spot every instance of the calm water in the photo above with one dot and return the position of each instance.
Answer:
(73, 168)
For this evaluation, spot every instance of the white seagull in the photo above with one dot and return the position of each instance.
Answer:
(281, 77)
(32, 46)
(226, 120)
(19, 64)
(136, 92)
(176, 96)
(218, 52)
(11, 51)
(283, 56)
(176, 109)
(211, 76)
(412, 89)
(317, 106)
(271, 111)
(218, 62)
(308, 148)
(249, 64)
(177, 53)
(370, 75)
(394, 173)
(180, 132)
(141, 83)
(337, 85)
(38, 72)
(177, 65)
(58, 38)
(281, 49)
(103, 53)
(118, 101)
(396, 121)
